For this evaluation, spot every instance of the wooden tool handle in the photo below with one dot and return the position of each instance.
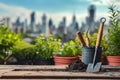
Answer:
(79, 35)
(99, 37)
(87, 41)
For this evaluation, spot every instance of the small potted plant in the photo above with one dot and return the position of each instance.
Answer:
(68, 53)
(44, 49)
(113, 55)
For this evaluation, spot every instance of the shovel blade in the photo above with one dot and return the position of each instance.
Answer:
(94, 68)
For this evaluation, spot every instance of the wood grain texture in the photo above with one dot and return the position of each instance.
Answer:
(79, 35)
(99, 37)
(7, 72)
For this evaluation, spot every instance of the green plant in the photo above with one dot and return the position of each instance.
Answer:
(23, 51)
(70, 48)
(114, 32)
(93, 39)
(7, 40)
(45, 47)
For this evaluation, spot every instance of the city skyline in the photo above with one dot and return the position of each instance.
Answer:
(55, 9)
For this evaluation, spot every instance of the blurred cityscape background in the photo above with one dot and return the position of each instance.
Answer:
(76, 15)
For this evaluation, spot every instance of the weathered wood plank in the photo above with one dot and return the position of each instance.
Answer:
(7, 72)
(57, 75)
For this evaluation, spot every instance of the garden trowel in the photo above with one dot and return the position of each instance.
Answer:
(95, 66)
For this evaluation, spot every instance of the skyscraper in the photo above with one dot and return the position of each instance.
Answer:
(33, 27)
(44, 18)
(50, 25)
(25, 27)
(64, 21)
(76, 26)
(91, 18)
(44, 21)
(18, 21)
(32, 17)
(50, 22)
(74, 19)
(91, 10)
(8, 23)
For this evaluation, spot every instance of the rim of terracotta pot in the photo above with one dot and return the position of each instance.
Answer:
(113, 56)
(64, 59)
(73, 57)
(113, 60)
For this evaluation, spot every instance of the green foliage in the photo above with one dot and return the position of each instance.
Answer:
(114, 32)
(59, 36)
(93, 39)
(46, 46)
(22, 51)
(71, 48)
(7, 40)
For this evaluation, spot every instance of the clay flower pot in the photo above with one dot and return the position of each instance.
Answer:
(64, 60)
(113, 60)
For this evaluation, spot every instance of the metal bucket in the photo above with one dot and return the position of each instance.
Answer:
(88, 54)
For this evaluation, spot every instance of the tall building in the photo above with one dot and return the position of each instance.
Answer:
(91, 19)
(32, 22)
(18, 22)
(64, 21)
(64, 25)
(25, 26)
(50, 23)
(32, 17)
(91, 10)
(8, 23)
(73, 28)
(49, 27)
(17, 25)
(44, 21)
(76, 26)
(74, 20)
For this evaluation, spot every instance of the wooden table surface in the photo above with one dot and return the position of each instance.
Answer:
(35, 72)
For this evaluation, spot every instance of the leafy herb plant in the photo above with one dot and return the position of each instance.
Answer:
(114, 32)
(45, 47)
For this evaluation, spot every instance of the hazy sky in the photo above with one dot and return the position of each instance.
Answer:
(55, 9)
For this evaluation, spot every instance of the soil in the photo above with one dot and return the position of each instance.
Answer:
(77, 65)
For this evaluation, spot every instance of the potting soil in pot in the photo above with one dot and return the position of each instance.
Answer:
(77, 65)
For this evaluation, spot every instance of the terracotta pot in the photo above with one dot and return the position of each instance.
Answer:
(113, 60)
(63, 60)
(80, 58)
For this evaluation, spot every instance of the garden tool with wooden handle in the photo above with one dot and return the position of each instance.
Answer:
(79, 35)
(87, 39)
(95, 66)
